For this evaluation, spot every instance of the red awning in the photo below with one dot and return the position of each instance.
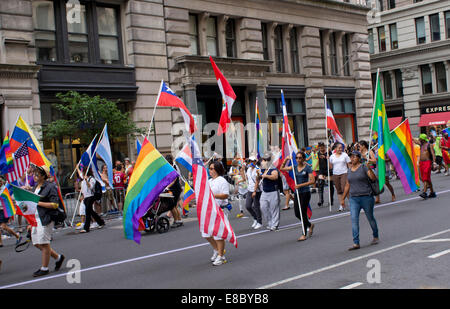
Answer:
(434, 119)
(394, 122)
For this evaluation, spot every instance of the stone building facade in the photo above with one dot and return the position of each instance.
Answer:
(122, 49)
(410, 46)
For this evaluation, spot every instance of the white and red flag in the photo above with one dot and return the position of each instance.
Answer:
(228, 98)
(212, 221)
(21, 160)
(331, 124)
(167, 97)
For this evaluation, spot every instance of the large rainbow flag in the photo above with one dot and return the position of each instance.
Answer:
(5, 200)
(151, 175)
(403, 157)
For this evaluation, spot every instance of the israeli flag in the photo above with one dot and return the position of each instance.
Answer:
(104, 151)
(86, 158)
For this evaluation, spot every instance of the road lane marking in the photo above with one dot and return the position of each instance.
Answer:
(323, 219)
(351, 286)
(278, 283)
(432, 240)
(436, 255)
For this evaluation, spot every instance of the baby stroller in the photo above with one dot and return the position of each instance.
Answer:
(153, 219)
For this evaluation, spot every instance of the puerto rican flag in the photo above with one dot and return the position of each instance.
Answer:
(167, 97)
(228, 98)
(212, 221)
(331, 124)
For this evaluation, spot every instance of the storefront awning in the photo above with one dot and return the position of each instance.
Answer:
(434, 119)
(394, 122)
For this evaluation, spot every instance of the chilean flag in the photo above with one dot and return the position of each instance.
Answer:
(167, 97)
(228, 98)
(331, 124)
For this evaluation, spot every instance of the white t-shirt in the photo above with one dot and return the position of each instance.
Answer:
(220, 186)
(251, 178)
(84, 188)
(340, 163)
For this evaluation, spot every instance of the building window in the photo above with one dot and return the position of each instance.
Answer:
(381, 39)
(230, 38)
(435, 27)
(45, 31)
(296, 116)
(279, 54)
(322, 53)
(391, 4)
(344, 114)
(264, 41)
(211, 36)
(394, 37)
(108, 35)
(387, 85)
(441, 77)
(333, 54)
(88, 33)
(420, 30)
(380, 5)
(427, 83)
(346, 54)
(399, 83)
(370, 39)
(193, 34)
(447, 24)
(294, 50)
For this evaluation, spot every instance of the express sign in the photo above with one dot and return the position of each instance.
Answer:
(437, 109)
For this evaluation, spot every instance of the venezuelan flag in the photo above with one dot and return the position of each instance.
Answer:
(7, 203)
(403, 157)
(187, 197)
(151, 175)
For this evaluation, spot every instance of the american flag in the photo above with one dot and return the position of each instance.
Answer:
(211, 218)
(21, 160)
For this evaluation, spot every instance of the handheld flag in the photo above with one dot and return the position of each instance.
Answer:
(228, 98)
(187, 197)
(21, 160)
(167, 97)
(5, 200)
(89, 157)
(104, 151)
(211, 219)
(331, 124)
(259, 134)
(184, 157)
(26, 204)
(403, 158)
(381, 126)
(151, 175)
(6, 161)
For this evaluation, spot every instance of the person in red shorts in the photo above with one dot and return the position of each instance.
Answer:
(445, 146)
(427, 157)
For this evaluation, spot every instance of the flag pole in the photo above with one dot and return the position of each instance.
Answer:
(256, 130)
(154, 110)
(328, 159)
(71, 176)
(373, 112)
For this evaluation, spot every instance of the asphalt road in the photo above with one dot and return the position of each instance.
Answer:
(414, 252)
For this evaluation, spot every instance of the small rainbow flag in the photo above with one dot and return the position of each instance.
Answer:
(403, 157)
(7, 203)
(187, 197)
(259, 134)
(6, 160)
(151, 175)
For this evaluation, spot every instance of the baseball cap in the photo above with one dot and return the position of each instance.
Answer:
(423, 137)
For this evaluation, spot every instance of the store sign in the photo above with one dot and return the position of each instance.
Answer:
(437, 109)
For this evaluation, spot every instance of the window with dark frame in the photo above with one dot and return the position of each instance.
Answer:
(387, 85)
(333, 54)
(264, 41)
(441, 77)
(85, 34)
(420, 30)
(279, 53)
(391, 4)
(427, 81)
(322, 53)
(435, 27)
(381, 39)
(447, 24)
(193, 34)
(345, 116)
(230, 38)
(394, 36)
(294, 50)
(346, 54)
(211, 35)
(399, 83)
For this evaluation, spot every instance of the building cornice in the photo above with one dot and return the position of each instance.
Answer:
(18, 71)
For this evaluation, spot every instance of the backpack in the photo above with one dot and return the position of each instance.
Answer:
(97, 191)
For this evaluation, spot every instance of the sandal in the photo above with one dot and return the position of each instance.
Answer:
(354, 247)
(374, 241)
(302, 238)
(285, 208)
(311, 228)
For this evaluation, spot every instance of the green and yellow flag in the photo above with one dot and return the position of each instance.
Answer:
(381, 126)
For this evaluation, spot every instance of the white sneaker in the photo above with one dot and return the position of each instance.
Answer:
(219, 260)
(80, 227)
(214, 256)
(94, 225)
(446, 174)
(254, 223)
(340, 208)
(258, 226)
(291, 202)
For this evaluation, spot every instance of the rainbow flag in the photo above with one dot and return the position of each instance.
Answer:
(403, 157)
(187, 197)
(151, 175)
(381, 126)
(6, 160)
(259, 134)
(7, 203)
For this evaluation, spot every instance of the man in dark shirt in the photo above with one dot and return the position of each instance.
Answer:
(324, 173)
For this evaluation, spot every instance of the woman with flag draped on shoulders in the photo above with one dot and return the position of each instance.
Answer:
(46, 216)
